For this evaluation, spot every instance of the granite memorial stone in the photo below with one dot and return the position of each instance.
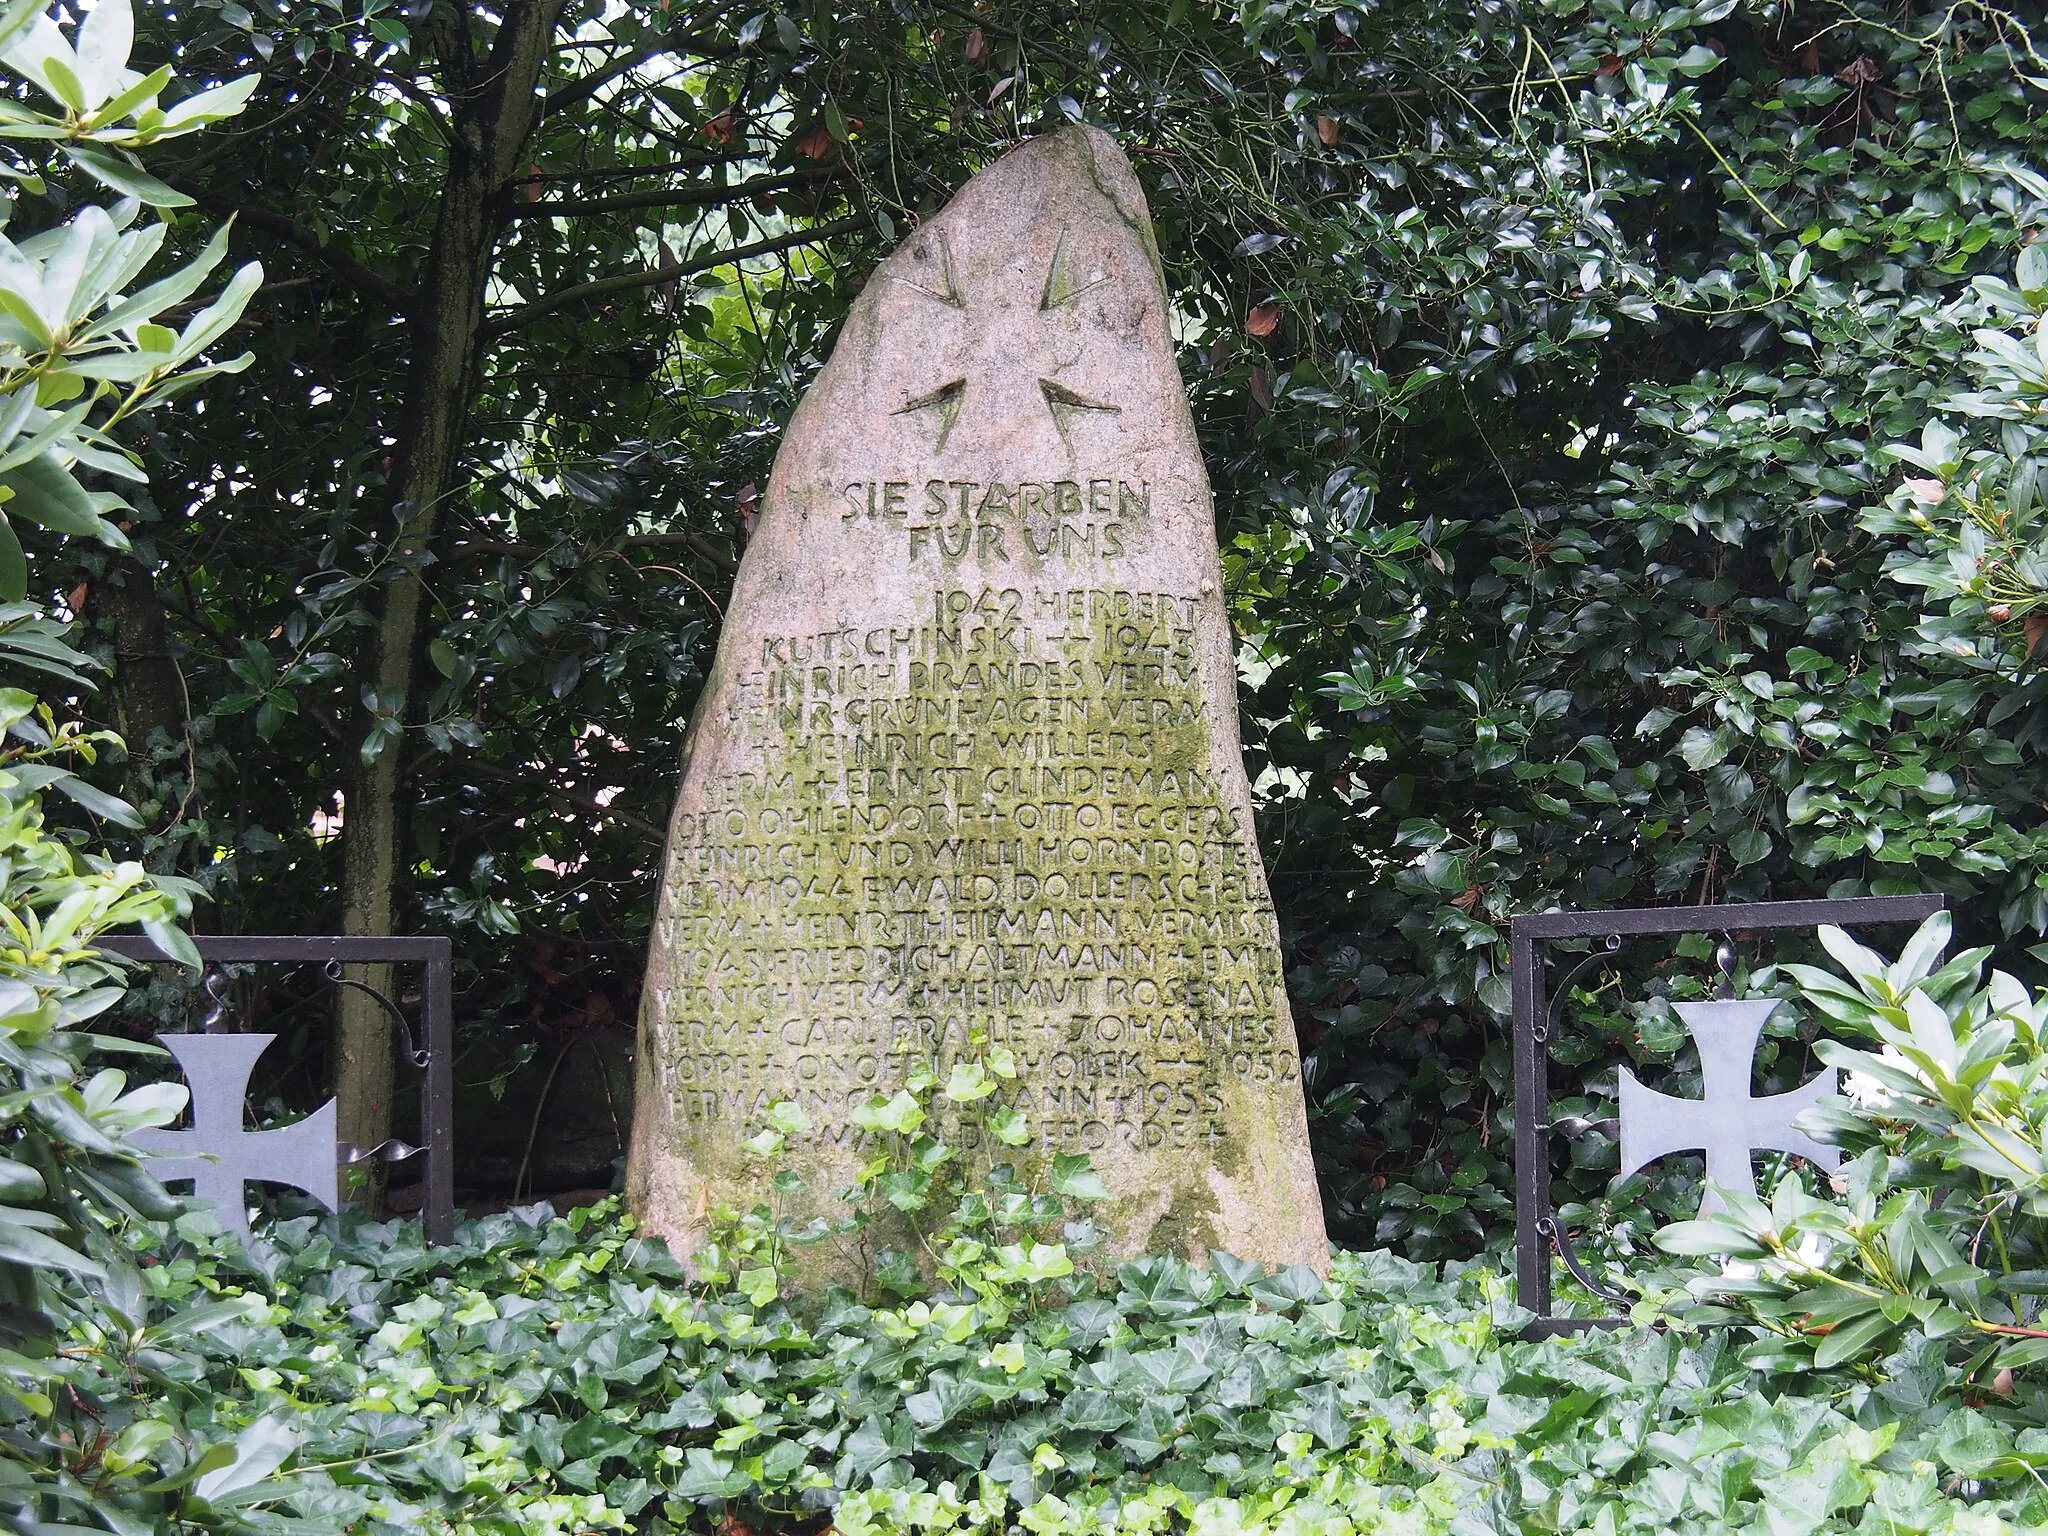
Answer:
(967, 766)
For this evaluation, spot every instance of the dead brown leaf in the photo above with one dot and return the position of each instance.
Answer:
(975, 50)
(748, 505)
(1327, 129)
(1859, 71)
(2037, 628)
(1262, 389)
(1264, 319)
(720, 129)
(1610, 64)
(816, 144)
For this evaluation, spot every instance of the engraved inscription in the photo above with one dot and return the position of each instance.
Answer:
(996, 824)
(996, 519)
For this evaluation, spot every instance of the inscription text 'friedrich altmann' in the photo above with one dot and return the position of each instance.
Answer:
(993, 519)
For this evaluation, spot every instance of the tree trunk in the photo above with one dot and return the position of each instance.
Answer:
(495, 105)
(148, 694)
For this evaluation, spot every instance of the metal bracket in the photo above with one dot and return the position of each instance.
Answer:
(418, 1057)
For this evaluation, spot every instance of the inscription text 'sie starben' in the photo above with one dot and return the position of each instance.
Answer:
(966, 773)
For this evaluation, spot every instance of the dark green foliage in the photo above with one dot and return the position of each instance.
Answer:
(67, 1173)
(1574, 606)
(1548, 361)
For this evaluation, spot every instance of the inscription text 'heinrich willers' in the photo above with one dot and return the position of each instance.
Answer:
(966, 771)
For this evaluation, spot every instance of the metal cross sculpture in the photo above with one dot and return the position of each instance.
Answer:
(217, 1154)
(1725, 1120)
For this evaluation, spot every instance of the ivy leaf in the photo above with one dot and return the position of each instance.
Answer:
(1074, 1176)
(259, 1451)
(1703, 749)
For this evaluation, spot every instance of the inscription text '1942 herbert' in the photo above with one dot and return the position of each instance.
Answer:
(966, 772)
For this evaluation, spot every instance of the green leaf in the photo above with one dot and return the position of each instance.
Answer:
(16, 17)
(46, 494)
(23, 1245)
(1703, 749)
(1092, 1412)
(1074, 1176)
(1710, 1235)
(172, 940)
(259, 1451)
(1748, 846)
(1323, 1408)
(969, 1081)
(18, 1182)
(125, 177)
(97, 801)
(104, 40)
(1860, 963)
(200, 1319)
(1848, 1340)
(2030, 272)
(13, 567)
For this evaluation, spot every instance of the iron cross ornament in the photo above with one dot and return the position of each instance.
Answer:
(1725, 1121)
(217, 1154)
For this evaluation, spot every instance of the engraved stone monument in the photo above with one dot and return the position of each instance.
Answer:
(967, 764)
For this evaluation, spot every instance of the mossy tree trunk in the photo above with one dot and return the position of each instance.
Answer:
(495, 104)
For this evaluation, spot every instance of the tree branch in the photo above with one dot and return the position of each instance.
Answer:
(367, 282)
(696, 543)
(586, 86)
(576, 798)
(671, 197)
(624, 282)
(658, 168)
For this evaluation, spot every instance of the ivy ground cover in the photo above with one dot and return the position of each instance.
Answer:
(559, 1374)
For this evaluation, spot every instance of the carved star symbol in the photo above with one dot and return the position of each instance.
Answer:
(1061, 288)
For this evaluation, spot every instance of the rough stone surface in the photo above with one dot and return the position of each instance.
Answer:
(968, 759)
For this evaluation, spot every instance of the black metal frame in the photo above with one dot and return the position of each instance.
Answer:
(436, 957)
(1536, 1230)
